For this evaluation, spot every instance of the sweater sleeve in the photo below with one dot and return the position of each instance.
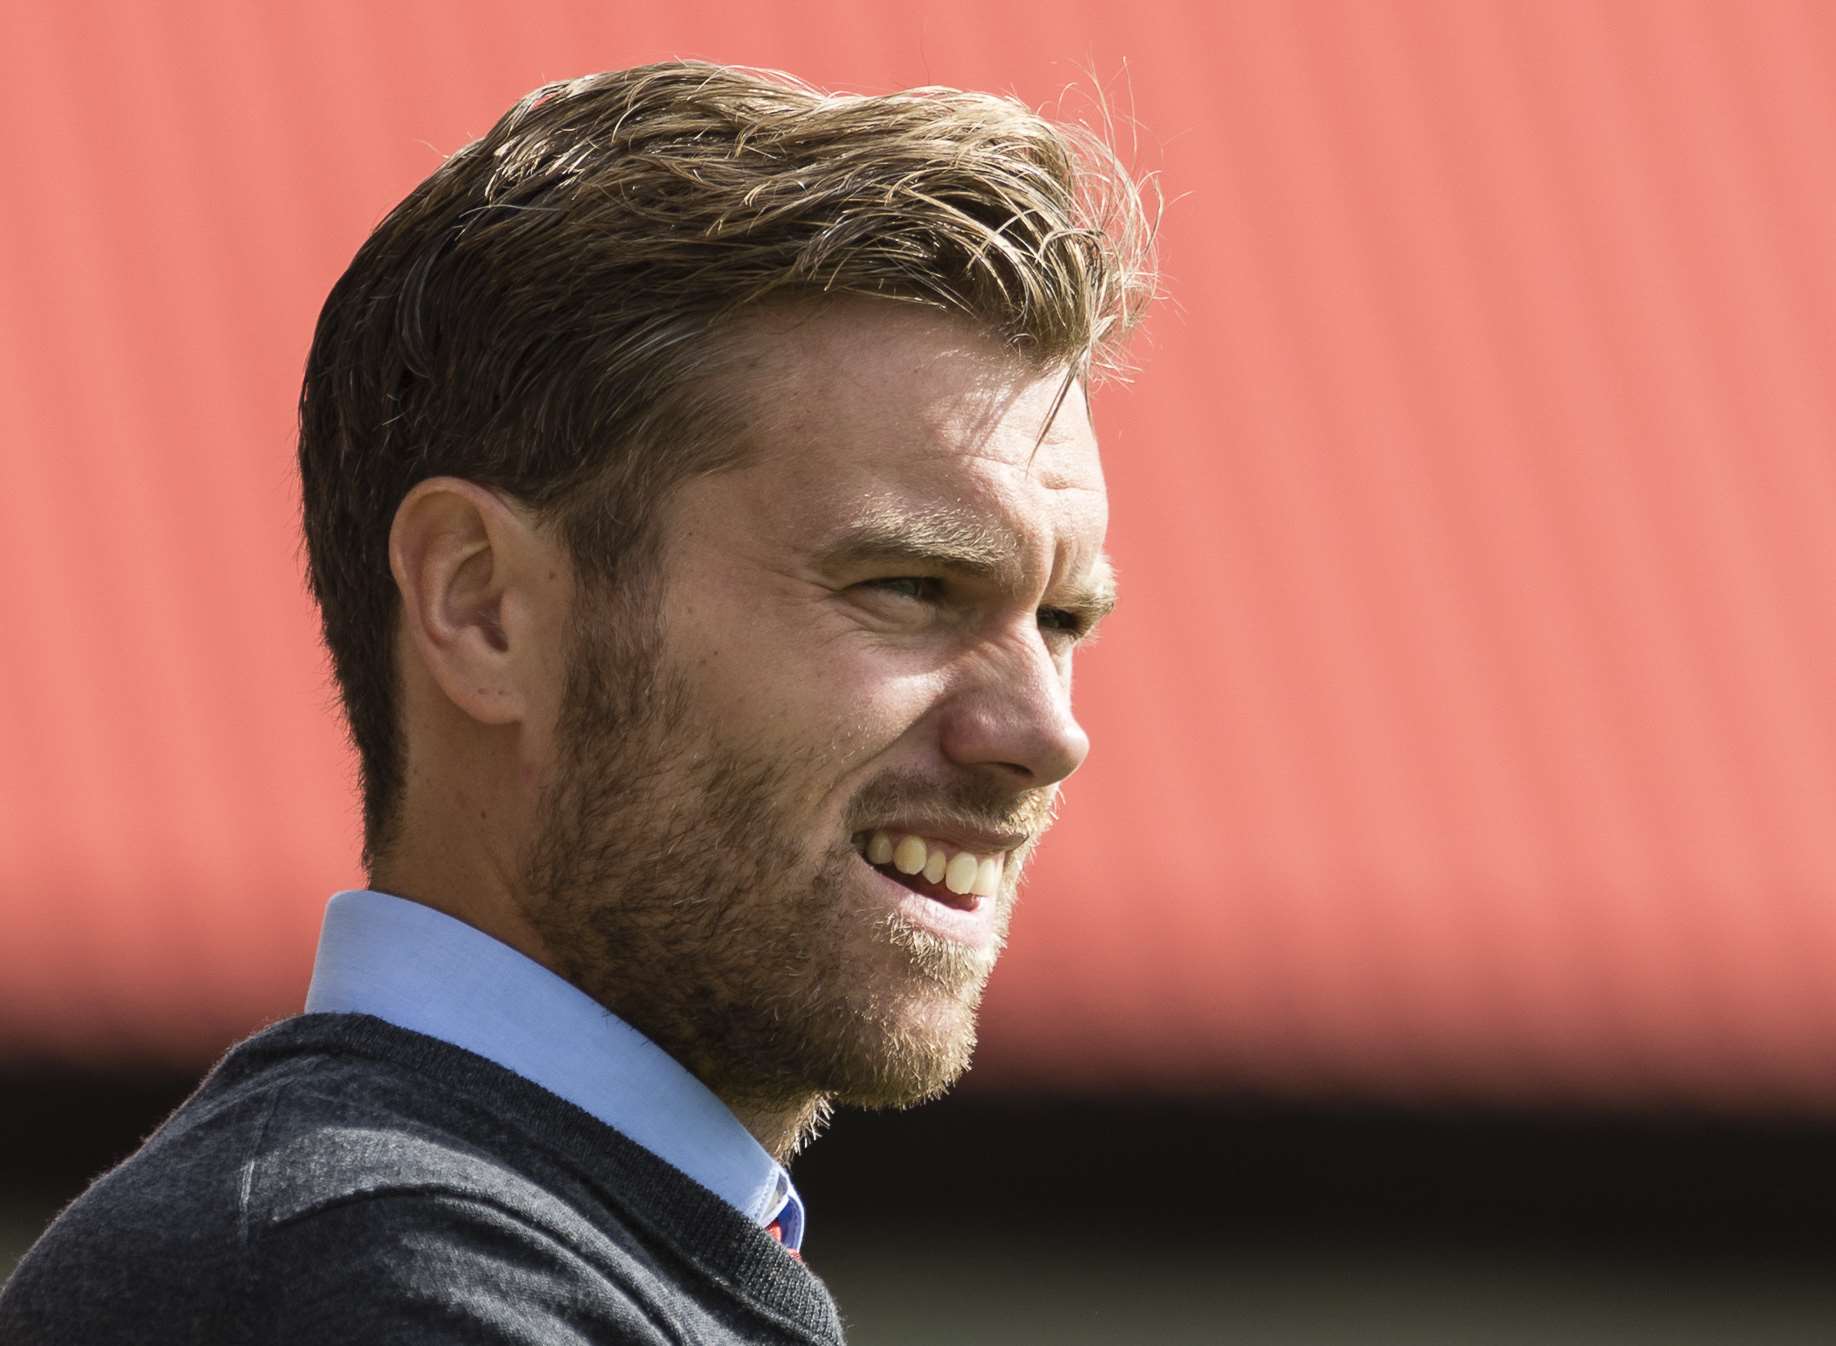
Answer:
(427, 1267)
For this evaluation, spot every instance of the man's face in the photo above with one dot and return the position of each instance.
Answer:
(864, 637)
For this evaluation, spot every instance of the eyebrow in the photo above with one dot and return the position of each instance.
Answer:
(962, 543)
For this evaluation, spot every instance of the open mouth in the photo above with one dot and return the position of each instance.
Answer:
(923, 886)
(935, 869)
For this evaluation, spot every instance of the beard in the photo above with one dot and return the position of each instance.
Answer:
(683, 878)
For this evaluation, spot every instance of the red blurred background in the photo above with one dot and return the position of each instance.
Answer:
(1466, 730)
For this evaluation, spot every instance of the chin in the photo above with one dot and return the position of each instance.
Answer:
(907, 1049)
(904, 1087)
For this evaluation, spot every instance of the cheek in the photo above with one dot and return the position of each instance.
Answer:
(860, 707)
(836, 706)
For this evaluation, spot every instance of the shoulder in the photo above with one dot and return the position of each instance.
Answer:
(379, 1201)
(295, 1196)
(336, 1180)
(348, 1131)
(358, 1149)
(157, 1238)
(432, 1263)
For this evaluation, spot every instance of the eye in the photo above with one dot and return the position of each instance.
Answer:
(1062, 622)
(923, 588)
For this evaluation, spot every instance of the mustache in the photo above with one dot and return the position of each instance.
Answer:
(973, 803)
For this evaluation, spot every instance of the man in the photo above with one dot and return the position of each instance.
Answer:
(702, 503)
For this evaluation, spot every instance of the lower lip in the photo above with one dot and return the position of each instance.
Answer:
(972, 923)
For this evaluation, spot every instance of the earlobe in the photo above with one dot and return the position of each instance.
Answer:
(457, 552)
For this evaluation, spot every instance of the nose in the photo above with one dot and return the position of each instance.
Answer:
(1012, 717)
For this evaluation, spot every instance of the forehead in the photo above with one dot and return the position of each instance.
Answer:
(868, 409)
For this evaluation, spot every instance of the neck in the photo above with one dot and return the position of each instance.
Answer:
(429, 876)
(466, 887)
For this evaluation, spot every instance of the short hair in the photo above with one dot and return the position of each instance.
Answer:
(551, 313)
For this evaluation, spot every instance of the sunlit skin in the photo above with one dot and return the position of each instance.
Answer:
(877, 612)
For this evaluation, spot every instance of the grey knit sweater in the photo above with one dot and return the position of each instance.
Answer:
(339, 1180)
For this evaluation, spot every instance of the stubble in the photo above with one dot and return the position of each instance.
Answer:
(673, 879)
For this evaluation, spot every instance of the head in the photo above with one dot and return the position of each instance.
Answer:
(698, 480)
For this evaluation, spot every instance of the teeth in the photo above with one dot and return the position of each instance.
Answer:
(909, 855)
(959, 871)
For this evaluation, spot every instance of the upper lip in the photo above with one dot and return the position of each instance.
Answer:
(964, 839)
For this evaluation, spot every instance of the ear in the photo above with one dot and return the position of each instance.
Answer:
(477, 579)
